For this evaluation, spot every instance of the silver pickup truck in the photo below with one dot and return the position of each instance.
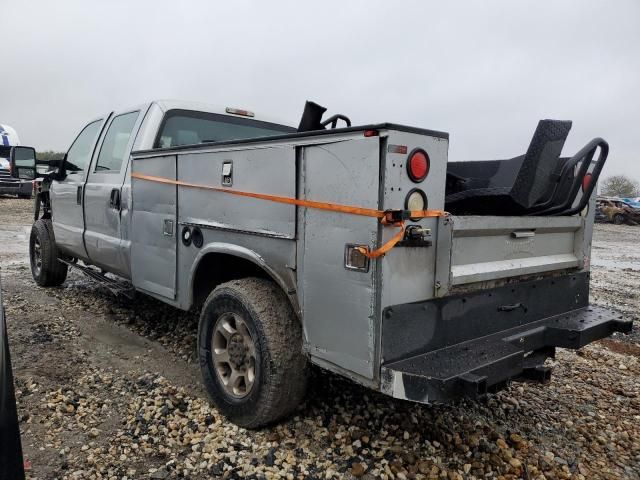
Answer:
(358, 249)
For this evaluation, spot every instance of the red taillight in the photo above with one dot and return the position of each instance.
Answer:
(418, 165)
(586, 180)
(370, 133)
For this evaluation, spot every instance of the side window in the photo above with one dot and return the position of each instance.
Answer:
(79, 154)
(114, 146)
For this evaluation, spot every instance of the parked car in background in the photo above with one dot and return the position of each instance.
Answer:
(616, 211)
(631, 202)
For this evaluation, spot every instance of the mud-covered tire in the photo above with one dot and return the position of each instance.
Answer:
(618, 219)
(280, 374)
(46, 270)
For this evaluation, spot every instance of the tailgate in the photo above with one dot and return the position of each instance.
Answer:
(485, 248)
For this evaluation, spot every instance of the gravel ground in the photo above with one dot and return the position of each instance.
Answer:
(110, 389)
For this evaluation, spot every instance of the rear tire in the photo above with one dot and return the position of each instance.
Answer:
(259, 373)
(618, 219)
(46, 270)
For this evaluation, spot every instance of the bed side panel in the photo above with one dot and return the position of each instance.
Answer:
(338, 304)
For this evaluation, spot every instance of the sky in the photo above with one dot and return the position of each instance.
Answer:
(484, 71)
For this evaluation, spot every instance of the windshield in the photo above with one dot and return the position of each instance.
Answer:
(185, 127)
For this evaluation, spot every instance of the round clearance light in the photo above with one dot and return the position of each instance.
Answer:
(416, 200)
(418, 165)
(586, 180)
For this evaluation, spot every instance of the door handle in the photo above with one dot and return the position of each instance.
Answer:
(114, 199)
(79, 195)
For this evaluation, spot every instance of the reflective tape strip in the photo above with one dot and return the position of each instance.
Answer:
(331, 207)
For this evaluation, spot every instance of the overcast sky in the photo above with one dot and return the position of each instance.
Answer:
(483, 71)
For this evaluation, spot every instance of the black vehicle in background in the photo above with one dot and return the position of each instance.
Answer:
(11, 461)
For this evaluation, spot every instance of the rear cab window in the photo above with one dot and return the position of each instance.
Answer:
(185, 127)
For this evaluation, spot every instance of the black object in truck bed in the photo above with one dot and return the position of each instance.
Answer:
(466, 344)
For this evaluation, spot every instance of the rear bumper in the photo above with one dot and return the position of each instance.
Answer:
(443, 368)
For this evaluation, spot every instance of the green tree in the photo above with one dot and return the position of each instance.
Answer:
(620, 186)
(49, 155)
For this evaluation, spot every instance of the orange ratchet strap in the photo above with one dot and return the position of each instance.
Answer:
(386, 217)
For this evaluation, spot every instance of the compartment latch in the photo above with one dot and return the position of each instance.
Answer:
(227, 173)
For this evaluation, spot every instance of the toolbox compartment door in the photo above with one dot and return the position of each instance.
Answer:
(338, 303)
(485, 248)
(153, 228)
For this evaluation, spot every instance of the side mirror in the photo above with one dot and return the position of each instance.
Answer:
(60, 170)
(56, 170)
(23, 163)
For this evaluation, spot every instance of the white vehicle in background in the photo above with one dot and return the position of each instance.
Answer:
(20, 181)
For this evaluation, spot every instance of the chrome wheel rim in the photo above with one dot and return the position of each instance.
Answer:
(37, 256)
(233, 353)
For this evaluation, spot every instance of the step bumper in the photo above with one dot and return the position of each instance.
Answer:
(474, 367)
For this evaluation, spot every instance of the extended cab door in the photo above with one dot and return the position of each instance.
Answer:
(103, 195)
(67, 194)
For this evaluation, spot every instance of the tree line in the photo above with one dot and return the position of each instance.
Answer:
(48, 155)
(620, 186)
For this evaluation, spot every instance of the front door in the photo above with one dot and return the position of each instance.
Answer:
(103, 191)
(66, 195)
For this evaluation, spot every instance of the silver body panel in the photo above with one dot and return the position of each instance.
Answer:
(338, 316)
(490, 248)
(153, 251)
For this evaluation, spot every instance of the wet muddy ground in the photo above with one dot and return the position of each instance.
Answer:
(109, 389)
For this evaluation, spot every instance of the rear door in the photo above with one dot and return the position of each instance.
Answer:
(67, 194)
(103, 193)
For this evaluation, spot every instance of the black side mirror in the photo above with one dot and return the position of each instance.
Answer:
(57, 169)
(23, 162)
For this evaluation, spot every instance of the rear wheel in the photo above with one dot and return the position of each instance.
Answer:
(618, 219)
(250, 351)
(46, 270)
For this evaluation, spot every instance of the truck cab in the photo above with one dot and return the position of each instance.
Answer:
(91, 196)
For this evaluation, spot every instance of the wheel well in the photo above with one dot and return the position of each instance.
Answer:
(216, 268)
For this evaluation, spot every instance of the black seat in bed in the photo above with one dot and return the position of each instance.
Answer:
(509, 187)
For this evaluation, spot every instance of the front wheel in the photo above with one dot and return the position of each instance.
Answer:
(618, 219)
(250, 352)
(46, 270)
